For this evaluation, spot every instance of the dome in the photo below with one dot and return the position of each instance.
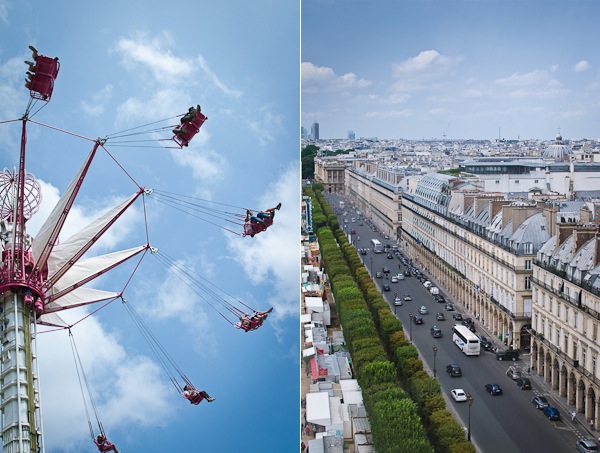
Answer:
(557, 151)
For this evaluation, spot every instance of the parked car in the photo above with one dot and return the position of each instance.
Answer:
(540, 402)
(514, 372)
(524, 383)
(584, 445)
(454, 370)
(397, 301)
(440, 317)
(436, 332)
(485, 343)
(509, 354)
(457, 317)
(552, 413)
(423, 310)
(386, 287)
(458, 395)
(449, 307)
(493, 389)
(407, 297)
(440, 299)
(418, 319)
(427, 284)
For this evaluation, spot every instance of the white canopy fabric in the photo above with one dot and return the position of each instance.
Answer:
(63, 252)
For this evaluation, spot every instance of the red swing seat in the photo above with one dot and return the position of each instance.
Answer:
(252, 228)
(190, 129)
(45, 71)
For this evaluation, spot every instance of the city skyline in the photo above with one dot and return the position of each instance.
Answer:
(452, 69)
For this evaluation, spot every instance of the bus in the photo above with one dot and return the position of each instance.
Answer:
(466, 340)
(376, 245)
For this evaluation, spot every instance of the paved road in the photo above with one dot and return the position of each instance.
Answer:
(506, 423)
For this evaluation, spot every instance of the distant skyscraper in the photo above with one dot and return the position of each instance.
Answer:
(351, 135)
(314, 131)
(303, 132)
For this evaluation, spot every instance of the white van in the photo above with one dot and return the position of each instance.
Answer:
(427, 284)
(434, 290)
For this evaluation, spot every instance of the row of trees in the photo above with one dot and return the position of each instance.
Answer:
(406, 408)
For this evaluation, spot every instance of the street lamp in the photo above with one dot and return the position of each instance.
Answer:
(434, 354)
(410, 315)
(371, 266)
(470, 401)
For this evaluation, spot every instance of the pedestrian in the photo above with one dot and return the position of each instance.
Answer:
(573, 415)
(315, 430)
(307, 429)
(303, 447)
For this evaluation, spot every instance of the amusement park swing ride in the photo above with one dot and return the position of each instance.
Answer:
(41, 276)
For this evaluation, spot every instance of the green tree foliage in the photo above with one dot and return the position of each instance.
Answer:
(308, 155)
(445, 431)
(378, 372)
(365, 343)
(423, 388)
(366, 358)
(397, 428)
(397, 339)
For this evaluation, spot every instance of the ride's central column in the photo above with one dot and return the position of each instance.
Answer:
(18, 395)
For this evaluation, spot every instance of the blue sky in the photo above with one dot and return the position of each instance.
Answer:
(467, 69)
(125, 64)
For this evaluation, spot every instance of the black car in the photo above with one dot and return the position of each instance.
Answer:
(540, 402)
(493, 389)
(449, 307)
(454, 370)
(440, 299)
(509, 354)
(386, 287)
(390, 256)
(457, 317)
(386, 270)
(363, 251)
(406, 273)
(524, 383)
(436, 332)
(485, 343)
(418, 319)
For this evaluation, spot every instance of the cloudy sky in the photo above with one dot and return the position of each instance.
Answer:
(461, 69)
(128, 64)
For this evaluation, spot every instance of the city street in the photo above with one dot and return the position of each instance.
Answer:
(508, 422)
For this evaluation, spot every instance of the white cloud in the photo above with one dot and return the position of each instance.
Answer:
(146, 53)
(320, 78)
(581, 66)
(427, 63)
(272, 257)
(96, 105)
(114, 377)
(532, 78)
(391, 114)
(215, 80)
(265, 124)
